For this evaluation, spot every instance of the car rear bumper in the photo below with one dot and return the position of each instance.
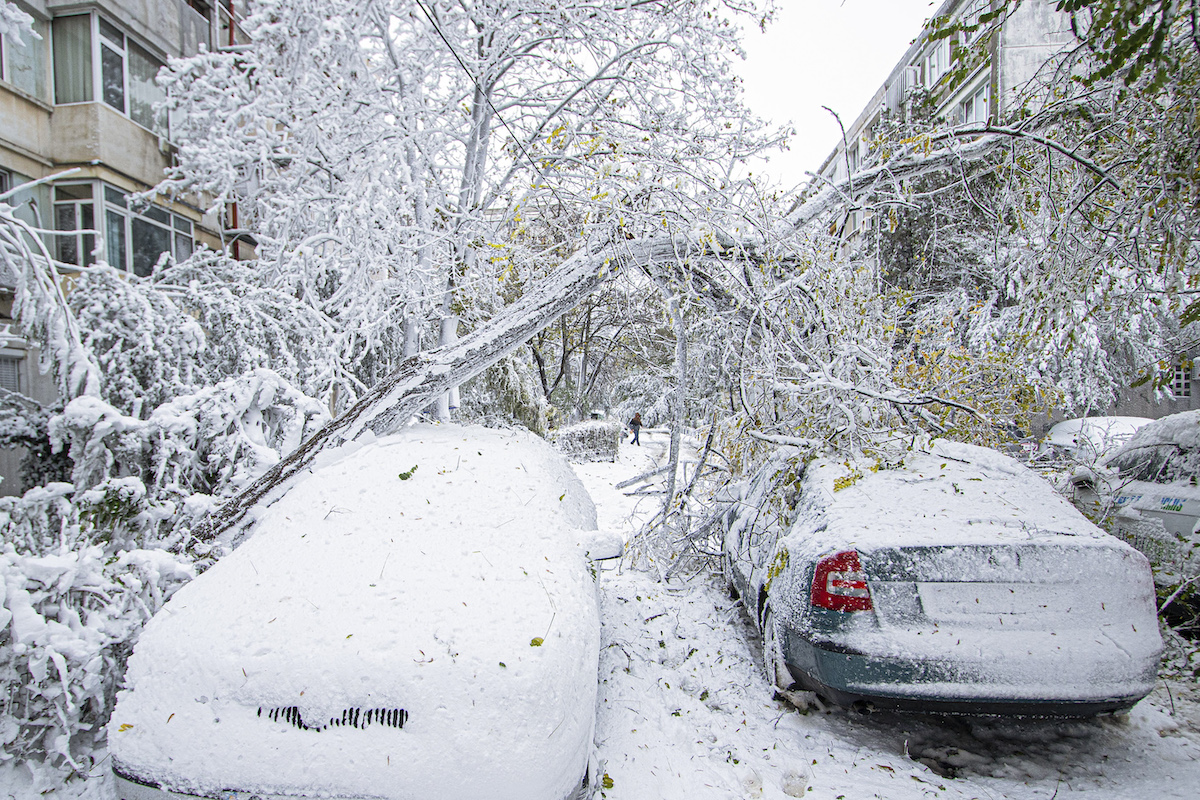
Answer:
(856, 679)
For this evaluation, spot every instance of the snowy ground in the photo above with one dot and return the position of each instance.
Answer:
(685, 711)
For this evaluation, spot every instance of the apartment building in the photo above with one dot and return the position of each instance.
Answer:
(927, 79)
(80, 102)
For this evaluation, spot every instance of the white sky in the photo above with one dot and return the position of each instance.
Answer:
(824, 52)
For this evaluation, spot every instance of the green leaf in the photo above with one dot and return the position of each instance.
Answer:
(536, 641)
(1190, 314)
(406, 475)
(606, 781)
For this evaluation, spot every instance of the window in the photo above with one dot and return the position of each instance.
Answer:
(112, 65)
(24, 65)
(937, 62)
(126, 70)
(975, 108)
(135, 240)
(975, 9)
(1181, 381)
(5, 181)
(73, 59)
(10, 373)
(74, 211)
(144, 93)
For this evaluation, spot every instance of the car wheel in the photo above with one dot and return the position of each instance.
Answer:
(778, 674)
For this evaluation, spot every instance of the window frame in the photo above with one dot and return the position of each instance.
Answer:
(1181, 379)
(84, 242)
(15, 362)
(178, 229)
(110, 203)
(99, 40)
(936, 57)
(972, 100)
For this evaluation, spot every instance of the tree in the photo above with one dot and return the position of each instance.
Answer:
(390, 153)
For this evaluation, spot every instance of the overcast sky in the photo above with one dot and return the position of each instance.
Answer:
(824, 52)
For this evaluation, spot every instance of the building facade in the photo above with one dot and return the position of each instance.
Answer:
(985, 87)
(81, 102)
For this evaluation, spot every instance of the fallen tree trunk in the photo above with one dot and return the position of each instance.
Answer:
(420, 379)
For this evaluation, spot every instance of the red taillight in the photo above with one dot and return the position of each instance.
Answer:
(839, 584)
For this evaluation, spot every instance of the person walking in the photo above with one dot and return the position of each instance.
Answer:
(635, 425)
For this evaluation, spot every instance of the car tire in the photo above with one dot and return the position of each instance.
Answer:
(783, 683)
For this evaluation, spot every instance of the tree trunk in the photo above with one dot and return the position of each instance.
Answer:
(421, 379)
(678, 403)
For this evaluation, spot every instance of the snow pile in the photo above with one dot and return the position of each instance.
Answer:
(14, 22)
(437, 572)
(589, 441)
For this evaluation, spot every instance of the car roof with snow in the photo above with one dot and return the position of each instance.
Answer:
(1098, 431)
(953, 493)
(1166, 450)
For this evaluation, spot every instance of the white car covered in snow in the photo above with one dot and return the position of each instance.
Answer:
(1151, 490)
(1088, 440)
(955, 580)
(416, 619)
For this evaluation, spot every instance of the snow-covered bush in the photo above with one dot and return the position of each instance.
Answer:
(85, 564)
(148, 349)
(596, 440)
(505, 391)
(71, 604)
(214, 441)
(249, 325)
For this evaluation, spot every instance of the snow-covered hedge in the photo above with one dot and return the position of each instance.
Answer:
(67, 624)
(84, 564)
(589, 441)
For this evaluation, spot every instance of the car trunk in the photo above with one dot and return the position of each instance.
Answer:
(1035, 618)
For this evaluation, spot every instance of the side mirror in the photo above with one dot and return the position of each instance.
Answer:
(601, 545)
(1083, 478)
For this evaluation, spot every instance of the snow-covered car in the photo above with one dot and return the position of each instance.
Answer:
(417, 618)
(955, 580)
(1149, 488)
(1089, 439)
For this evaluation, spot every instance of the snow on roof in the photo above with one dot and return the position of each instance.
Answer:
(1182, 430)
(1099, 432)
(1167, 449)
(458, 594)
(953, 494)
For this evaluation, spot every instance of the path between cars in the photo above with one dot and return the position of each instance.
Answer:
(685, 711)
